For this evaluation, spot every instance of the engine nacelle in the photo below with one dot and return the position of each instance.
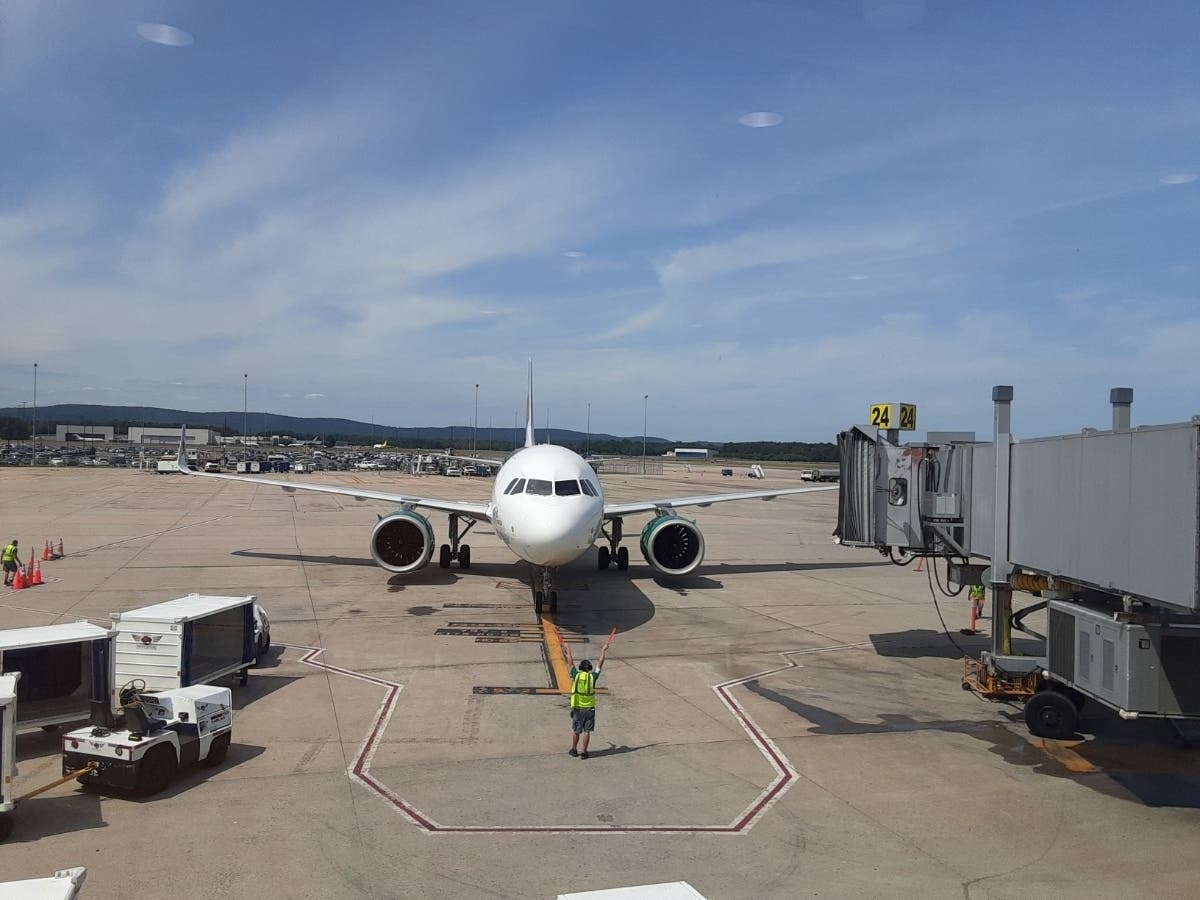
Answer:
(673, 545)
(402, 542)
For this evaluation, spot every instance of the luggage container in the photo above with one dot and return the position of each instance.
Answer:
(195, 639)
(65, 669)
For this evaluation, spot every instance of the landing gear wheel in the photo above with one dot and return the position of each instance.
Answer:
(216, 753)
(538, 601)
(603, 558)
(444, 556)
(157, 771)
(464, 556)
(622, 558)
(1050, 714)
(554, 601)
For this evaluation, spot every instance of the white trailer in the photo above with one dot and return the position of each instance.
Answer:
(8, 751)
(66, 669)
(195, 639)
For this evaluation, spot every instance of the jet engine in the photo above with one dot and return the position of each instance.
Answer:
(672, 545)
(402, 542)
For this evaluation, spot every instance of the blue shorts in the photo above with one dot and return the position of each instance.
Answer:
(583, 720)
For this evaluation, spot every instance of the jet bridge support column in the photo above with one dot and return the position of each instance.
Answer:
(1000, 656)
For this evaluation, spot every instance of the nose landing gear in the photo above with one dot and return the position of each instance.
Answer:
(543, 591)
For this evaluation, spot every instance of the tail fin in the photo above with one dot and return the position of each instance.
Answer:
(181, 460)
(529, 437)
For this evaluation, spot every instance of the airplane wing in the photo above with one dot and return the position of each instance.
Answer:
(462, 507)
(612, 510)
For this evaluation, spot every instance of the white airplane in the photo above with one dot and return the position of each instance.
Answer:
(547, 506)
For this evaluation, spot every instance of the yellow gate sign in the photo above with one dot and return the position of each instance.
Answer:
(893, 416)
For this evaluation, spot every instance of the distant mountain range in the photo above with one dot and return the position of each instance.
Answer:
(260, 423)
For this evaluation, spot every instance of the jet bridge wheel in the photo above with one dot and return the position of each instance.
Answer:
(6, 826)
(1050, 714)
(622, 558)
(603, 558)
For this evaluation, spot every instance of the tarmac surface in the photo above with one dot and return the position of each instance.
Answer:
(786, 722)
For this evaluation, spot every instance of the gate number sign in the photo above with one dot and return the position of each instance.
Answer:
(897, 416)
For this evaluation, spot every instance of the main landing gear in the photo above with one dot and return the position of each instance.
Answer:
(544, 594)
(613, 552)
(456, 550)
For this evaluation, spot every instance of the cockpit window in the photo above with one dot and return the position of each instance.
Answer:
(515, 486)
(566, 488)
(587, 488)
(539, 487)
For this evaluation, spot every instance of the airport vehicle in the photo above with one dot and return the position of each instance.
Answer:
(166, 465)
(262, 631)
(728, 472)
(453, 472)
(190, 640)
(212, 467)
(547, 506)
(158, 733)
(62, 885)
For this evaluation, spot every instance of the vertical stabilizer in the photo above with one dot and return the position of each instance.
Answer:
(181, 460)
(529, 438)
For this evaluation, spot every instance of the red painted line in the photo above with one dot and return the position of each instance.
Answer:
(360, 770)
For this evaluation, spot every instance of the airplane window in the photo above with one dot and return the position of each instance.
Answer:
(566, 488)
(539, 487)
(515, 486)
(589, 488)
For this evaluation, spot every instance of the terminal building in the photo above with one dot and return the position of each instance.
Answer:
(92, 433)
(196, 437)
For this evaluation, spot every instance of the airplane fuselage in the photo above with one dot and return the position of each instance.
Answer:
(547, 505)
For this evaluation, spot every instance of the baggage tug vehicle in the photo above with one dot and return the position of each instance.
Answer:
(157, 735)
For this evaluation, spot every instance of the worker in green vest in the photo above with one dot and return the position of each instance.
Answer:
(583, 700)
(9, 561)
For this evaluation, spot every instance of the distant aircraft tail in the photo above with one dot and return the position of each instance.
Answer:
(181, 460)
(529, 438)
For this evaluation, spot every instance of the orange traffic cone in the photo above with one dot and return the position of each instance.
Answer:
(32, 557)
(46, 551)
(920, 564)
(60, 549)
(37, 573)
(18, 582)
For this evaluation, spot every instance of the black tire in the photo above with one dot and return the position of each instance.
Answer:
(244, 676)
(554, 601)
(444, 556)
(216, 753)
(156, 772)
(50, 728)
(622, 559)
(538, 601)
(464, 556)
(1050, 714)
(6, 826)
(603, 558)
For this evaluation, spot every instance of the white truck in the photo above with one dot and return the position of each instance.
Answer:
(191, 640)
(157, 735)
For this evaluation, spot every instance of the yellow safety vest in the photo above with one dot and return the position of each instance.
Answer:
(583, 691)
(10, 554)
(977, 592)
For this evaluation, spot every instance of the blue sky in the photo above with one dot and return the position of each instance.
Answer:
(764, 215)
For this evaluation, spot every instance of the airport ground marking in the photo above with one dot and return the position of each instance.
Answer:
(785, 774)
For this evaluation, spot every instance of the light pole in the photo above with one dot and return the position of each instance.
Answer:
(245, 408)
(645, 419)
(475, 430)
(33, 434)
(587, 447)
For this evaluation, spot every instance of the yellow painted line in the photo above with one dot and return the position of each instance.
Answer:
(1066, 756)
(558, 662)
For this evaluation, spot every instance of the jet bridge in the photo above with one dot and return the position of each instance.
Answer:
(1104, 526)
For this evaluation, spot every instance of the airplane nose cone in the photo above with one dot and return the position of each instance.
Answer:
(554, 539)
